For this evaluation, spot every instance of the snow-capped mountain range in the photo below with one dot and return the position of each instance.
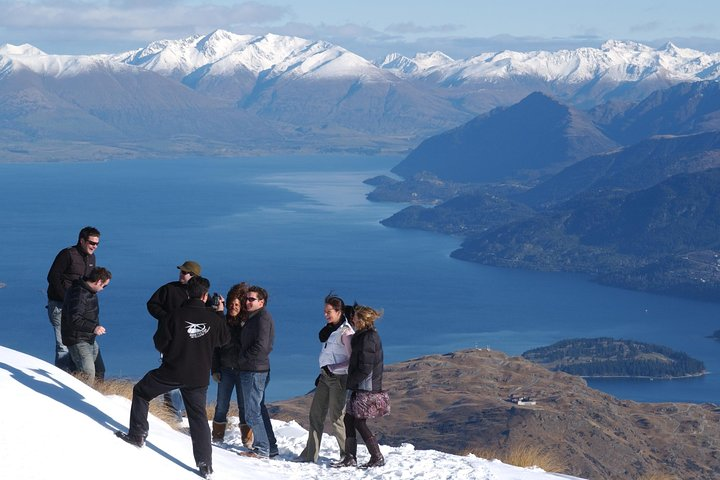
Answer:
(308, 95)
(222, 53)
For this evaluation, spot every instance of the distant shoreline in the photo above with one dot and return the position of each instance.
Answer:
(692, 375)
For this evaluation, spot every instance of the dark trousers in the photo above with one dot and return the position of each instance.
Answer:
(195, 399)
(359, 424)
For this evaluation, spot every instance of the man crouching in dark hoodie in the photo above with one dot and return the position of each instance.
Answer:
(187, 339)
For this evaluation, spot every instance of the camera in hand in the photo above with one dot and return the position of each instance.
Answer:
(215, 300)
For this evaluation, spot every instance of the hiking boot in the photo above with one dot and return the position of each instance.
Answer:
(252, 454)
(205, 470)
(376, 458)
(218, 432)
(246, 434)
(135, 440)
(349, 460)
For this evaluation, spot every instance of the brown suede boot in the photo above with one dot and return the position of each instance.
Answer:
(376, 458)
(350, 458)
(246, 434)
(218, 432)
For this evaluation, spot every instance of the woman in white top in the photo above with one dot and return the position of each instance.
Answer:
(329, 396)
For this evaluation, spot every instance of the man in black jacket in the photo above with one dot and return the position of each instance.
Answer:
(162, 303)
(70, 264)
(186, 338)
(256, 339)
(172, 295)
(80, 323)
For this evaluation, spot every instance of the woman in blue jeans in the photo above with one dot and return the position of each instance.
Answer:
(225, 372)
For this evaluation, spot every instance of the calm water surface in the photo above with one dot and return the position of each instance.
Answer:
(302, 227)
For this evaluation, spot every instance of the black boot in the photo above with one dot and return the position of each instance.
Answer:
(205, 470)
(136, 440)
(376, 458)
(349, 460)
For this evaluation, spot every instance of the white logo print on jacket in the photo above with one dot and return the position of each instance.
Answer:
(197, 330)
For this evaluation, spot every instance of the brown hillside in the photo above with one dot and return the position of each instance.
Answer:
(460, 401)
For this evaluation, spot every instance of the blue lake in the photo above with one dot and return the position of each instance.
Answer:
(301, 227)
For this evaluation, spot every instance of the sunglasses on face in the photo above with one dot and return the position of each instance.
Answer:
(252, 299)
(94, 244)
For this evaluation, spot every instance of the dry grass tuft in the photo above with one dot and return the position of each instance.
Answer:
(658, 476)
(526, 455)
(116, 386)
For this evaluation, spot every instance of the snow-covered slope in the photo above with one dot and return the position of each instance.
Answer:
(53, 426)
(35, 60)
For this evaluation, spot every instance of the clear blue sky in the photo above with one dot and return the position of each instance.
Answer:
(371, 28)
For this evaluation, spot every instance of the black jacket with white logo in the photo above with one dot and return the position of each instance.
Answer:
(187, 338)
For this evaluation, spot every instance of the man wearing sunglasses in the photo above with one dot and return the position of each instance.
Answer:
(70, 264)
(164, 302)
(256, 340)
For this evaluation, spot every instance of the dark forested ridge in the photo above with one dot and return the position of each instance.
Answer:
(537, 135)
(644, 216)
(608, 357)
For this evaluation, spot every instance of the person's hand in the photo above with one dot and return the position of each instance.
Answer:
(99, 330)
(217, 376)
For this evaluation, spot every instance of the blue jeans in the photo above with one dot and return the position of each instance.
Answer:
(63, 360)
(173, 400)
(229, 380)
(256, 414)
(83, 356)
(62, 356)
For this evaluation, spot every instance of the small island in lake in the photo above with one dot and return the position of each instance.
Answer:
(608, 357)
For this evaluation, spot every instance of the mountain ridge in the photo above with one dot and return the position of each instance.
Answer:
(303, 95)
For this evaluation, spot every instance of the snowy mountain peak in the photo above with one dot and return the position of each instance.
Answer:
(422, 62)
(18, 50)
(624, 45)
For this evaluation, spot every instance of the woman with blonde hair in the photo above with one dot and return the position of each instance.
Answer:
(367, 398)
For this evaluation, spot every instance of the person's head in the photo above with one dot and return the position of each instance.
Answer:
(89, 239)
(365, 317)
(198, 287)
(235, 298)
(98, 278)
(334, 308)
(256, 298)
(188, 270)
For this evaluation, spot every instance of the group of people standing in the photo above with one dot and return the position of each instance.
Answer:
(197, 340)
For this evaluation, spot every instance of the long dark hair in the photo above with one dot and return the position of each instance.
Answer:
(237, 291)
